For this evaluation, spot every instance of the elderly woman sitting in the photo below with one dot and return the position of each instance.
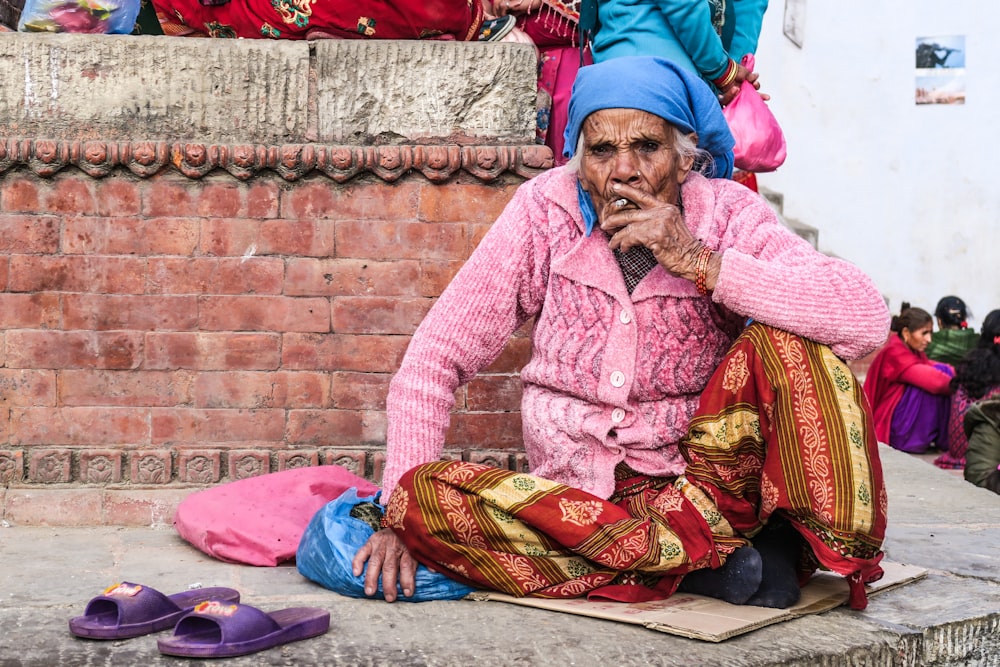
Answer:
(670, 443)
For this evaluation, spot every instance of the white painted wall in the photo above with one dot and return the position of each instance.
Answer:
(909, 193)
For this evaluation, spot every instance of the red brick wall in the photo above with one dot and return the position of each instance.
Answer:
(161, 333)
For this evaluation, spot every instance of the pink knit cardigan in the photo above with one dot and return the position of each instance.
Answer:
(615, 377)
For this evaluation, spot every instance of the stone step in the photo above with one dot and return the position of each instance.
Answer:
(777, 202)
(937, 521)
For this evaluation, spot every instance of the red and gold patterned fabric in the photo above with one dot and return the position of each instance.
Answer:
(311, 19)
(524, 535)
(782, 427)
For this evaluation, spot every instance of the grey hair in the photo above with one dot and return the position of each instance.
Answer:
(574, 162)
(687, 147)
(684, 146)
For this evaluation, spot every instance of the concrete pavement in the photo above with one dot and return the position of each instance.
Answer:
(936, 520)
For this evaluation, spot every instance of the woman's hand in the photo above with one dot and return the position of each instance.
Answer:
(656, 224)
(728, 94)
(388, 559)
(659, 226)
(754, 79)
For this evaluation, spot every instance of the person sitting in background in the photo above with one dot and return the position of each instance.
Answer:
(909, 393)
(662, 432)
(954, 337)
(977, 378)
(982, 427)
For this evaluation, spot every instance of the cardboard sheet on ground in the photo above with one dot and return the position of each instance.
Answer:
(713, 620)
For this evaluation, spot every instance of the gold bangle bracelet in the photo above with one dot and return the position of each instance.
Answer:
(701, 270)
(730, 75)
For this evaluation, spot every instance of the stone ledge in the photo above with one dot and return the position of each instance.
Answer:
(65, 487)
(64, 467)
(438, 163)
(68, 86)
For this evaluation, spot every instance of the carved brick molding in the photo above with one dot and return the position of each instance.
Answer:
(182, 467)
(438, 163)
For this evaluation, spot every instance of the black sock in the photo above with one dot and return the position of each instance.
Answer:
(780, 547)
(737, 580)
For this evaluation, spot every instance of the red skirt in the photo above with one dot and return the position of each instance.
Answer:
(782, 428)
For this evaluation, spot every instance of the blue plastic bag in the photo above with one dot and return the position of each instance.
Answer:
(79, 16)
(333, 537)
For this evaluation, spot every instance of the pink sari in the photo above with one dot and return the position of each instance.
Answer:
(553, 29)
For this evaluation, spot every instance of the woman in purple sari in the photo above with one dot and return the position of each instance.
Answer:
(910, 394)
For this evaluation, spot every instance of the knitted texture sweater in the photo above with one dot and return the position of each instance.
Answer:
(615, 377)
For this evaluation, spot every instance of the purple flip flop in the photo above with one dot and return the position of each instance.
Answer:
(223, 630)
(128, 610)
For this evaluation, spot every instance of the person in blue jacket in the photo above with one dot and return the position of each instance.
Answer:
(707, 37)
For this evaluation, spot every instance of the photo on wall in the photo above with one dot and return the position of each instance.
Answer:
(940, 70)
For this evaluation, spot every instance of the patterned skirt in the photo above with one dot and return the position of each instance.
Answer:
(782, 427)
(958, 442)
(312, 19)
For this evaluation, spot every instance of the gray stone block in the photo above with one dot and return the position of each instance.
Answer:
(395, 92)
(121, 87)
(65, 86)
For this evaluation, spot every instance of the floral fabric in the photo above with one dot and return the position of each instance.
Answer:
(958, 442)
(553, 29)
(782, 427)
(525, 535)
(309, 19)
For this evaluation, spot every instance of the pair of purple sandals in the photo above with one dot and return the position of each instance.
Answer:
(207, 622)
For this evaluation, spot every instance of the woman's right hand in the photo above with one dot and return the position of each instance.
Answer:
(389, 560)
(728, 94)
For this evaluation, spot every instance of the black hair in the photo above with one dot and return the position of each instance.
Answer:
(979, 371)
(952, 312)
(909, 318)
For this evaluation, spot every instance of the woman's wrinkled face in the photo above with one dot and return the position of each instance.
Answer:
(919, 339)
(633, 147)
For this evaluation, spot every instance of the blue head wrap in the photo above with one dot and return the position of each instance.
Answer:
(657, 86)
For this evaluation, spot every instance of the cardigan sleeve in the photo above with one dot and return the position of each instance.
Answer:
(499, 288)
(774, 276)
